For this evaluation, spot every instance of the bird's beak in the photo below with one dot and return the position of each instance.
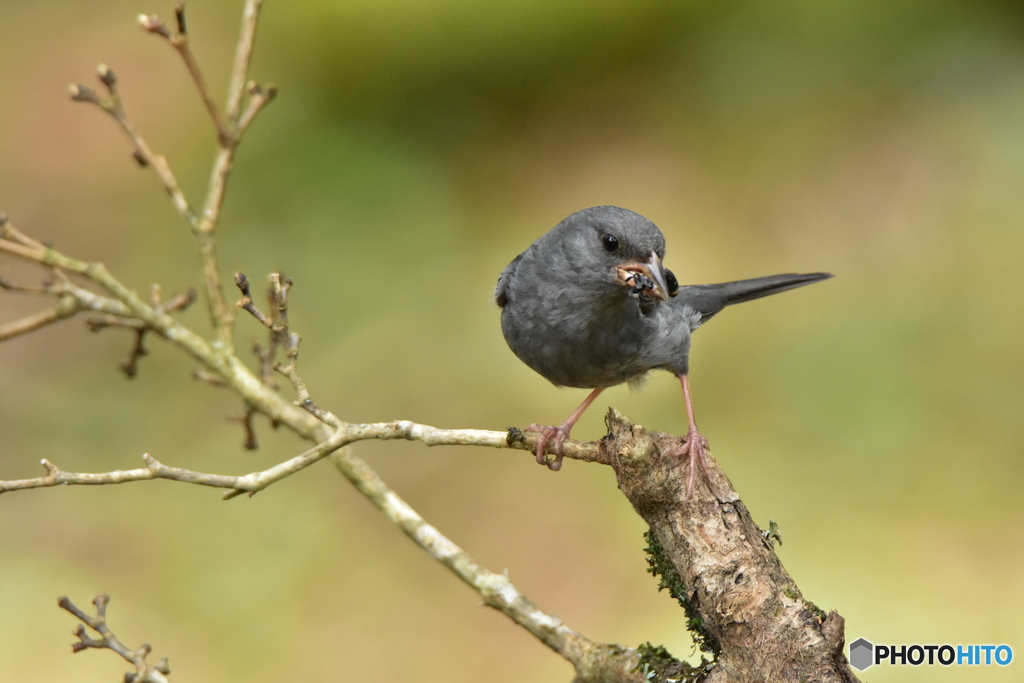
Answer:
(644, 276)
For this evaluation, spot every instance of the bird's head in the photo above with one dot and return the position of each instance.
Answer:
(616, 250)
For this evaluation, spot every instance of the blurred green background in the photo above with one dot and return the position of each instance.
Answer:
(415, 148)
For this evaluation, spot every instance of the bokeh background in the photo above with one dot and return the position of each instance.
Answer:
(415, 148)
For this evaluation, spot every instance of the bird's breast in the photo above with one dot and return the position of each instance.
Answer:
(579, 343)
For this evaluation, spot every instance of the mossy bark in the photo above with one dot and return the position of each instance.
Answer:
(748, 609)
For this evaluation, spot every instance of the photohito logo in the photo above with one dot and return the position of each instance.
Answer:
(864, 654)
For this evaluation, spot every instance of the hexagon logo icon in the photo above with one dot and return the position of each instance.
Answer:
(862, 654)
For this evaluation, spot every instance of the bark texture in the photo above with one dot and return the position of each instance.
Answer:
(747, 607)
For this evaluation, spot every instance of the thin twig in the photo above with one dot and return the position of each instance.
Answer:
(67, 307)
(246, 302)
(179, 40)
(248, 483)
(281, 335)
(181, 44)
(243, 57)
(217, 359)
(9, 232)
(347, 434)
(210, 378)
(24, 289)
(143, 153)
(246, 420)
(222, 315)
(130, 365)
(144, 672)
(259, 97)
(97, 323)
(72, 299)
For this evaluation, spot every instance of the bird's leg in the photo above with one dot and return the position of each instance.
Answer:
(561, 433)
(695, 443)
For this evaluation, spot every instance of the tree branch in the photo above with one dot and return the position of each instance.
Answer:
(346, 434)
(223, 316)
(723, 569)
(243, 57)
(143, 154)
(67, 307)
(214, 358)
(179, 40)
(144, 672)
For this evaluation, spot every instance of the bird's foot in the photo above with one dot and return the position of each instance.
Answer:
(555, 434)
(695, 447)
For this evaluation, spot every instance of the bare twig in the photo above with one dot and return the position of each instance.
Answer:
(143, 153)
(242, 282)
(229, 131)
(179, 41)
(215, 358)
(345, 435)
(9, 232)
(144, 672)
(243, 57)
(222, 314)
(259, 97)
(210, 378)
(130, 365)
(67, 307)
(249, 483)
(97, 323)
(71, 299)
(245, 419)
(25, 289)
(281, 335)
(265, 355)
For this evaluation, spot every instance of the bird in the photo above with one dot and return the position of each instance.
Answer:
(590, 305)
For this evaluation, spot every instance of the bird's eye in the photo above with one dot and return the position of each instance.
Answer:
(672, 282)
(610, 242)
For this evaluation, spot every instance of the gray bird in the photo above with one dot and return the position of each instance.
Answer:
(589, 305)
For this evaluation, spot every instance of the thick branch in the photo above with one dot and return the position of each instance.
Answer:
(725, 570)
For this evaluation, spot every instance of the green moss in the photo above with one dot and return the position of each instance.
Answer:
(773, 535)
(669, 579)
(818, 612)
(659, 666)
(515, 435)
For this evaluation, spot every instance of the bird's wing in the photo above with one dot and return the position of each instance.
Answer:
(501, 291)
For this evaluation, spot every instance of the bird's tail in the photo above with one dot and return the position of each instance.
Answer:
(710, 299)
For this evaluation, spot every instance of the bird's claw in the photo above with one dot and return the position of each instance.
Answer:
(695, 447)
(547, 433)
